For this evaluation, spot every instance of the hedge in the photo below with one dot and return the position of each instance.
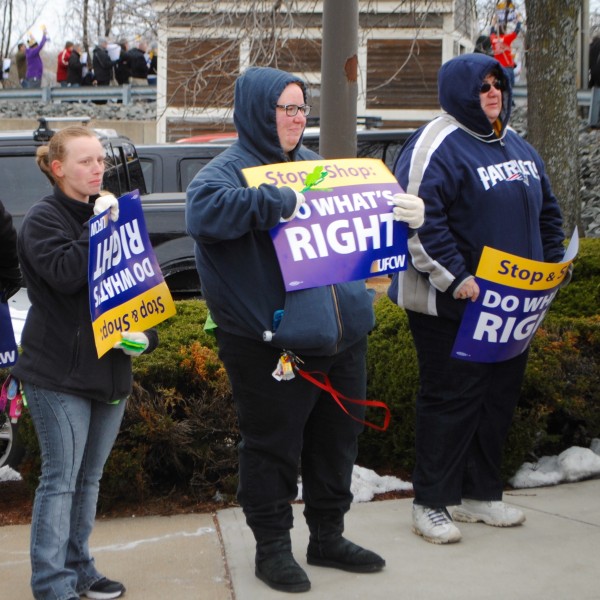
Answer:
(180, 433)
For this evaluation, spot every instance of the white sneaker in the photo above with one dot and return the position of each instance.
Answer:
(494, 513)
(434, 524)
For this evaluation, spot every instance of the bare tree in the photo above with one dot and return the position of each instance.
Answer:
(552, 97)
(16, 18)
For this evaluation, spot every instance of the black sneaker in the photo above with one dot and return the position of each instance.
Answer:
(105, 589)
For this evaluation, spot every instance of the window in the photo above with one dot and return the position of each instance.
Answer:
(19, 192)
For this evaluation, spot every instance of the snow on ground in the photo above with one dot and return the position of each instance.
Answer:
(574, 464)
(8, 474)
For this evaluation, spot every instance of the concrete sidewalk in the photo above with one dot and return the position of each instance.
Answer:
(553, 556)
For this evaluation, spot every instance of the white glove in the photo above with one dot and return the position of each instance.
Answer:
(300, 200)
(105, 202)
(410, 209)
(133, 343)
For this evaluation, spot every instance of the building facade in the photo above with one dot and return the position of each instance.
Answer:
(204, 46)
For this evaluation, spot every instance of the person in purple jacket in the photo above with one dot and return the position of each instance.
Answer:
(482, 185)
(35, 66)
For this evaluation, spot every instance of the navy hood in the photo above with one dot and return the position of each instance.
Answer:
(256, 94)
(459, 82)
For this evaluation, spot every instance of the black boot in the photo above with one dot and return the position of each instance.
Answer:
(275, 564)
(328, 548)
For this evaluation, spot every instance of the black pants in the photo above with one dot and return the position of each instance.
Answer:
(287, 423)
(464, 412)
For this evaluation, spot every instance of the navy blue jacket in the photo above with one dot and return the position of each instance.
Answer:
(480, 188)
(230, 222)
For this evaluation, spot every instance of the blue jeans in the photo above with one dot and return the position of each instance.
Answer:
(76, 436)
(32, 82)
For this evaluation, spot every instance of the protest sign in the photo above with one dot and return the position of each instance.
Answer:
(8, 346)
(127, 288)
(515, 294)
(345, 230)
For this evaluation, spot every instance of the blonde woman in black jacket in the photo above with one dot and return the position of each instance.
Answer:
(76, 399)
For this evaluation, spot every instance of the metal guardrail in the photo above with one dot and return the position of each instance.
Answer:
(127, 94)
(589, 98)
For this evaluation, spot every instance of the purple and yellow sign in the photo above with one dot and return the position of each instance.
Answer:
(8, 346)
(515, 294)
(127, 288)
(345, 230)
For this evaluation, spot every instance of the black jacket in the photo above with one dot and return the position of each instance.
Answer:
(10, 274)
(74, 69)
(103, 65)
(138, 65)
(58, 346)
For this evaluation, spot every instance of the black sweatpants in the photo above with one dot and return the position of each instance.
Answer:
(285, 424)
(464, 412)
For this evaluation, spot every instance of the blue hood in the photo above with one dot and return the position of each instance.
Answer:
(459, 82)
(256, 94)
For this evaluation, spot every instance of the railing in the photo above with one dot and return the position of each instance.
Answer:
(589, 98)
(127, 94)
(119, 93)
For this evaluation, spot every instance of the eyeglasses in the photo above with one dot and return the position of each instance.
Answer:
(486, 86)
(291, 110)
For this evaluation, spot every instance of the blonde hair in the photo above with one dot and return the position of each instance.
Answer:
(57, 148)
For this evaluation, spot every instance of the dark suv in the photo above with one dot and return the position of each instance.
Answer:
(23, 183)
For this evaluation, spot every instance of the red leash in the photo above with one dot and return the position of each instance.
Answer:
(340, 399)
(288, 364)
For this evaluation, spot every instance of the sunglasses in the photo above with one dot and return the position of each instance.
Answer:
(486, 87)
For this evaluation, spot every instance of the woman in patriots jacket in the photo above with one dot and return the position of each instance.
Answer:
(482, 185)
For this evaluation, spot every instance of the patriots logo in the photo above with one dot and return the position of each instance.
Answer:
(519, 177)
(511, 170)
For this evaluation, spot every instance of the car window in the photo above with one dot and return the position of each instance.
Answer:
(19, 192)
(188, 168)
(134, 168)
(385, 150)
(148, 170)
(112, 181)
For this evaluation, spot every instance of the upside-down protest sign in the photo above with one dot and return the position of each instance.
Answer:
(515, 294)
(345, 230)
(127, 288)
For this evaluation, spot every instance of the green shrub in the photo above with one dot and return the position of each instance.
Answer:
(180, 428)
(392, 376)
(581, 298)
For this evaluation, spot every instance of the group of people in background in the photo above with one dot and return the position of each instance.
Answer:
(499, 44)
(108, 63)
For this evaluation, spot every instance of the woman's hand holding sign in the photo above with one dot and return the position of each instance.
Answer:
(105, 202)
(410, 209)
(133, 343)
(300, 200)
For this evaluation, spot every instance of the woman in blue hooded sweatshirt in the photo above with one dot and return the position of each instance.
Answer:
(291, 423)
(482, 185)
